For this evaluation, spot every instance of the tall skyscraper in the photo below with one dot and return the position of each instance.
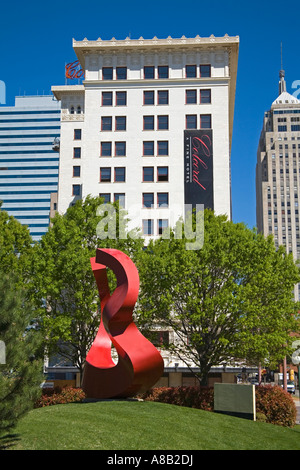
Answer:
(278, 173)
(150, 126)
(28, 162)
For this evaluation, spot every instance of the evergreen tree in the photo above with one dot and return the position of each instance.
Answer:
(21, 371)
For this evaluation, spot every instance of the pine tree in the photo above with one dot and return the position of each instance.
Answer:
(20, 369)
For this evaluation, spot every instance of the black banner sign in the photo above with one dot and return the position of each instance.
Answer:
(198, 168)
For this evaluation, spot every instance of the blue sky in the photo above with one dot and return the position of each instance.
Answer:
(36, 42)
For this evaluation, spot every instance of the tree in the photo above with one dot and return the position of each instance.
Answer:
(21, 370)
(63, 287)
(230, 299)
(15, 246)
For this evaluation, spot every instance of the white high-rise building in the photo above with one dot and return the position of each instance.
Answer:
(150, 126)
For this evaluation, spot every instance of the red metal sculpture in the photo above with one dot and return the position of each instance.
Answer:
(139, 364)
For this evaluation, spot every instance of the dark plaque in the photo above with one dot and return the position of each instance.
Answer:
(198, 168)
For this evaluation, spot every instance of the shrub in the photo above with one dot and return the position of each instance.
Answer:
(60, 396)
(192, 397)
(276, 405)
(273, 404)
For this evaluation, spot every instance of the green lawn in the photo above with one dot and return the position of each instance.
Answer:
(133, 425)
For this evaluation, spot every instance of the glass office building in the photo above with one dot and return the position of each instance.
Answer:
(28, 160)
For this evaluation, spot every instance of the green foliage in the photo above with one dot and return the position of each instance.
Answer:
(63, 286)
(21, 370)
(233, 298)
(276, 405)
(15, 246)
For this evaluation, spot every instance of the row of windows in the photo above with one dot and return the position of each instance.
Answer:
(162, 98)
(161, 72)
(294, 127)
(119, 173)
(148, 149)
(162, 199)
(192, 121)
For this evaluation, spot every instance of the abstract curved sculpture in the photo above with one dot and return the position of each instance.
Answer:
(139, 364)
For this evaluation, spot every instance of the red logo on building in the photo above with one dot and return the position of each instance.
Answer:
(73, 70)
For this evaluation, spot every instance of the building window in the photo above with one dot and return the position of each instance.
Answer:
(190, 71)
(77, 152)
(148, 200)
(105, 149)
(77, 134)
(163, 97)
(106, 123)
(106, 197)
(107, 98)
(148, 123)
(105, 175)
(120, 198)
(148, 148)
(76, 190)
(107, 73)
(120, 123)
(76, 171)
(148, 225)
(72, 110)
(205, 96)
(163, 199)
(190, 96)
(295, 127)
(163, 122)
(78, 109)
(120, 149)
(149, 71)
(163, 224)
(205, 71)
(163, 71)
(205, 121)
(191, 121)
(121, 98)
(120, 174)
(148, 98)
(148, 173)
(162, 147)
(162, 173)
(281, 128)
(121, 73)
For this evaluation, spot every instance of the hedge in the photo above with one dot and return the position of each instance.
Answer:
(273, 404)
(60, 396)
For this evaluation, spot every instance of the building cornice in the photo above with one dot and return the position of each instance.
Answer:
(86, 46)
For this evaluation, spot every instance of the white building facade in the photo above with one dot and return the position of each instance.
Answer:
(127, 131)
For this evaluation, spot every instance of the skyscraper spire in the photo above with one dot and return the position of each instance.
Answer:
(282, 84)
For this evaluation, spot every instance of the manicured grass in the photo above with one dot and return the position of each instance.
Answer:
(133, 425)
